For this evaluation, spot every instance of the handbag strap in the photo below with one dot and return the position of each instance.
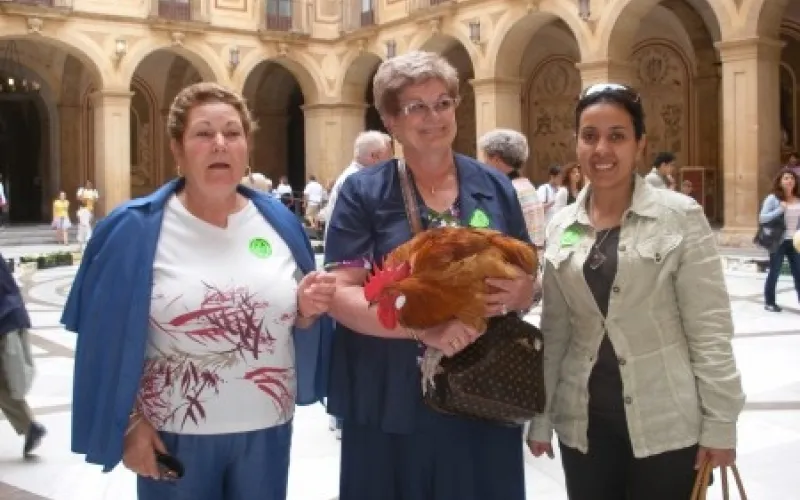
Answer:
(409, 200)
(704, 477)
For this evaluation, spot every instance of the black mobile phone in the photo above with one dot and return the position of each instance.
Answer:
(169, 466)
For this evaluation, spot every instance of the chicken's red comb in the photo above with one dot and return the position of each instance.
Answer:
(382, 277)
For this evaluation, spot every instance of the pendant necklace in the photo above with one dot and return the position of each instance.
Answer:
(596, 256)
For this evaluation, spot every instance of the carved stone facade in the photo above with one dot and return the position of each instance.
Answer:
(662, 79)
(549, 102)
(719, 83)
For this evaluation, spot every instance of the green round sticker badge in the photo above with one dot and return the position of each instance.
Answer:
(260, 248)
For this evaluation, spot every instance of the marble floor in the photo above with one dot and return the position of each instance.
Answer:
(767, 347)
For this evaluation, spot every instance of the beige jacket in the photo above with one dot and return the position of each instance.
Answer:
(669, 321)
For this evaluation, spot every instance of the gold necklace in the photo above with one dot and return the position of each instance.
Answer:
(432, 189)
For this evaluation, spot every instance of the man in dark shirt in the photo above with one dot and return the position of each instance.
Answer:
(13, 318)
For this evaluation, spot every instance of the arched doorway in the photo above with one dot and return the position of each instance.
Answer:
(540, 51)
(153, 89)
(276, 101)
(41, 132)
(676, 70)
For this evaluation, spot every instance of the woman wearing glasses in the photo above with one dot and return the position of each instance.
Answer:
(641, 380)
(393, 446)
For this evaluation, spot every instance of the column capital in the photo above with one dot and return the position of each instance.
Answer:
(111, 96)
(744, 49)
(497, 84)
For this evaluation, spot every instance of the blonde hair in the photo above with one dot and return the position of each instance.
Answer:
(411, 68)
(203, 93)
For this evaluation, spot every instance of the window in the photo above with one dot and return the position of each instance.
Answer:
(281, 8)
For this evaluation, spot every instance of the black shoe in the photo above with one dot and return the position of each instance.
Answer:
(33, 438)
(772, 308)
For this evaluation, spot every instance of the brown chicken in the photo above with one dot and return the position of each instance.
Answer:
(439, 275)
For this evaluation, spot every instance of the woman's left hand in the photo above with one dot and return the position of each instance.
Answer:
(515, 294)
(315, 293)
(717, 457)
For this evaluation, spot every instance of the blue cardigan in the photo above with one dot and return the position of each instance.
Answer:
(109, 305)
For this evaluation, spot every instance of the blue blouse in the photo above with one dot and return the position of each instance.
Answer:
(376, 381)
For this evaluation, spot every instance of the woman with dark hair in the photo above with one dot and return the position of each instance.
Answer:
(784, 201)
(572, 182)
(642, 384)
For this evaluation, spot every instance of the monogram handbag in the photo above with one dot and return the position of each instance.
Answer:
(500, 376)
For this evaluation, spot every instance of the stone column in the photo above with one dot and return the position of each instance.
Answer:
(605, 71)
(71, 174)
(751, 131)
(331, 130)
(112, 118)
(498, 104)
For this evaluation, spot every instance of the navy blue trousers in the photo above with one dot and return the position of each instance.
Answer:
(240, 466)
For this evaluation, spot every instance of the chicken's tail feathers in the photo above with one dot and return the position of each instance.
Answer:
(516, 252)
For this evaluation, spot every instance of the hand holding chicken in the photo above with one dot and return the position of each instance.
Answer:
(439, 283)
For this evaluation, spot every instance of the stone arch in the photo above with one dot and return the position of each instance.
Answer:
(548, 121)
(516, 28)
(663, 77)
(78, 45)
(201, 56)
(444, 41)
(310, 81)
(763, 17)
(356, 78)
(620, 22)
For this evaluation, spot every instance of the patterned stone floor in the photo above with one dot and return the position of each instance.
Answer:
(767, 347)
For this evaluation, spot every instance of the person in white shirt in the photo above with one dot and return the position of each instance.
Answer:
(284, 191)
(84, 224)
(313, 196)
(370, 148)
(548, 194)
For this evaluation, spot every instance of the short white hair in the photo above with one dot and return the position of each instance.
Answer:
(368, 142)
(508, 145)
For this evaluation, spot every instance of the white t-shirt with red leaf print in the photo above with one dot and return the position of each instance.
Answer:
(220, 353)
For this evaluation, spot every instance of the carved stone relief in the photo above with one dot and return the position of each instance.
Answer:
(142, 143)
(662, 81)
(549, 99)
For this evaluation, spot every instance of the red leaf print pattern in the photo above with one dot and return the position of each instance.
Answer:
(229, 328)
(275, 382)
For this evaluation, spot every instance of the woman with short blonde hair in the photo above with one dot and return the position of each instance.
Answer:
(393, 445)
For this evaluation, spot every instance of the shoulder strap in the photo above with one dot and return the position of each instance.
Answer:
(410, 201)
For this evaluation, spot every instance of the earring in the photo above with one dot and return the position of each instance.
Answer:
(248, 171)
(178, 169)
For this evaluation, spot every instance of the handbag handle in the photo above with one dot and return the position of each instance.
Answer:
(409, 200)
(704, 477)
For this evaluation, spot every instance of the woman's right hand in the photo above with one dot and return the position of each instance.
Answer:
(539, 448)
(451, 337)
(139, 447)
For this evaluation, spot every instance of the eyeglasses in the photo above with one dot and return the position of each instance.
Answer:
(611, 88)
(421, 108)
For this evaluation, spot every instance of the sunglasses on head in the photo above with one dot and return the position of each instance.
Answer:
(610, 88)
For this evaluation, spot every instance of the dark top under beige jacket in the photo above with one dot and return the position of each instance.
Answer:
(669, 321)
